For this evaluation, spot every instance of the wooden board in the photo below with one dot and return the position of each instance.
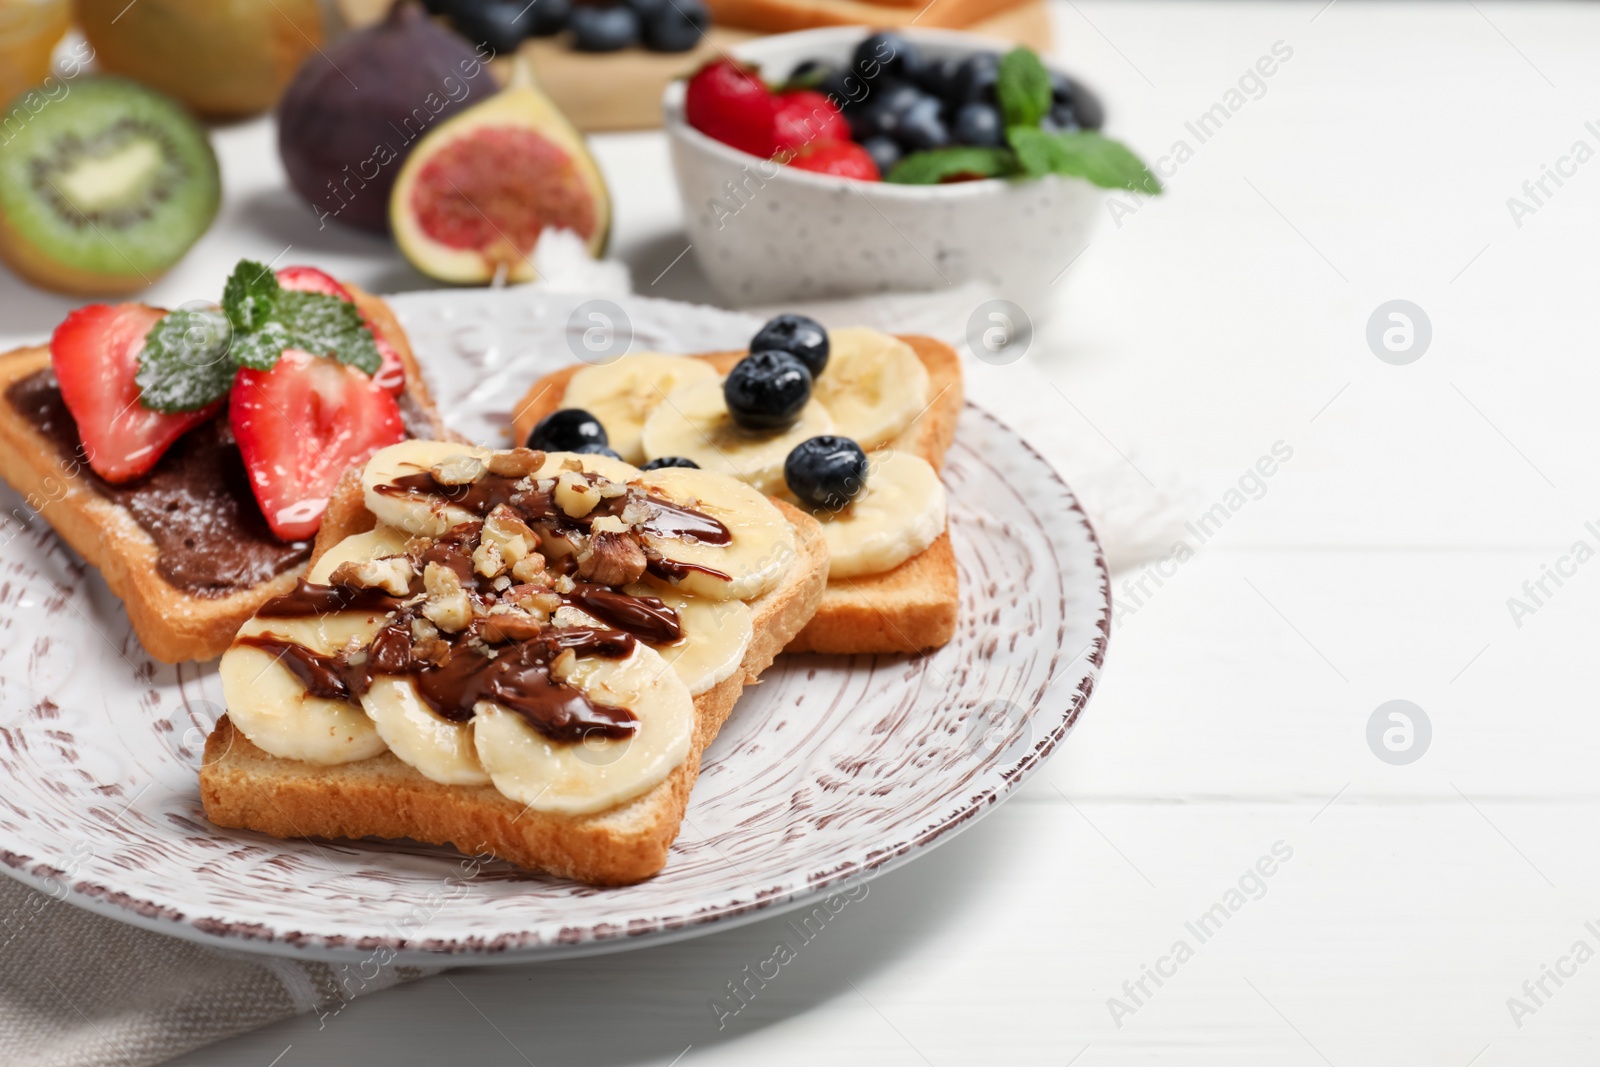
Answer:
(622, 90)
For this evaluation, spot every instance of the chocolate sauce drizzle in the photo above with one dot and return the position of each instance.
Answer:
(310, 598)
(506, 660)
(516, 676)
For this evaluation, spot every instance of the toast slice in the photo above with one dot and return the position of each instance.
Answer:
(911, 608)
(245, 788)
(174, 619)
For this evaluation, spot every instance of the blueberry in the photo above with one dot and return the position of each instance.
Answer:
(677, 26)
(826, 472)
(669, 461)
(452, 8)
(1061, 119)
(881, 113)
(767, 390)
(978, 124)
(498, 25)
(1087, 106)
(1061, 88)
(644, 8)
(922, 126)
(848, 90)
(939, 76)
(802, 338)
(884, 152)
(549, 17)
(603, 29)
(567, 430)
(887, 54)
(594, 448)
(976, 78)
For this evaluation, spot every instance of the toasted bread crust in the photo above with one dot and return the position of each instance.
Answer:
(172, 624)
(909, 609)
(245, 788)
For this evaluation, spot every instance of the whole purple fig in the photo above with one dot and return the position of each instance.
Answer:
(352, 115)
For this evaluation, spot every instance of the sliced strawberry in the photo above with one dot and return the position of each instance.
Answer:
(95, 353)
(392, 375)
(312, 280)
(300, 426)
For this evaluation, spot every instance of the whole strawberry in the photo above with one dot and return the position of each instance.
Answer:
(728, 103)
(805, 116)
(842, 159)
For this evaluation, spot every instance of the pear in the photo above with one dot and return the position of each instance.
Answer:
(223, 59)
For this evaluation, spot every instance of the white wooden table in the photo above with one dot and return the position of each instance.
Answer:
(1374, 564)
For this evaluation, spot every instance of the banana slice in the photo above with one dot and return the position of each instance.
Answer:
(874, 386)
(758, 553)
(430, 515)
(693, 421)
(606, 467)
(418, 513)
(439, 749)
(577, 779)
(623, 394)
(715, 635)
(899, 513)
(271, 706)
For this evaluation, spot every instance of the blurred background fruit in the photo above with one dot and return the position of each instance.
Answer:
(29, 31)
(223, 58)
(343, 146)
(475, 194)
(105, 188)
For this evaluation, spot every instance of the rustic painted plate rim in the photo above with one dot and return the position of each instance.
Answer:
(260, 939)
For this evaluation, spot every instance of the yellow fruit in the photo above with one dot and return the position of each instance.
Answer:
(29, 30)
(223, 58)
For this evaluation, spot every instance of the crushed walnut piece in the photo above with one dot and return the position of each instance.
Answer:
(574, 495)
(392, 574)
(508, 533)
(447, 605)
(515, 462)
(613, 559)
(529, 569)
(458, 470)
(497, 629)
(562, 666)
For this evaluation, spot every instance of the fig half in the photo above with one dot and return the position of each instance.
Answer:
(478, 190)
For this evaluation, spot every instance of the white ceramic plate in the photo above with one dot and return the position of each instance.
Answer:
(830, 771)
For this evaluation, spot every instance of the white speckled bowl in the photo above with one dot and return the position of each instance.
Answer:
(785, 234)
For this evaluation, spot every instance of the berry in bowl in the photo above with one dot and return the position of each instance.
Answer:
(839, 161)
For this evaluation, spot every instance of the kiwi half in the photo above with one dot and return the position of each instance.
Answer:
(103, 189)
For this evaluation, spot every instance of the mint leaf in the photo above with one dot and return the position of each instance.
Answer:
(327, 326)
(1037, 152)
(941, 164)
(1107, 163)
(260, 350)
(1024, 87)
(249, 296)
(185, 363)
(189, 357)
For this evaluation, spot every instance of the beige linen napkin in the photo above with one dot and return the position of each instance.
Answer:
(79, 990)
